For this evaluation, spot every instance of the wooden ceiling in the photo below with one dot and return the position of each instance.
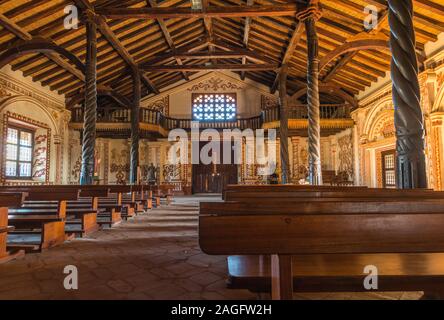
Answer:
(173, 46)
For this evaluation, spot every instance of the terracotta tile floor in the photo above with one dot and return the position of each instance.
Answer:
(154, 256)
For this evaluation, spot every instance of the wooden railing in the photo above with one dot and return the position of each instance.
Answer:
(327, 111)
(331, 111)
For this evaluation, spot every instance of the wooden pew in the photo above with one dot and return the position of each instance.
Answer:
(138, 198)
(163, 191)
(284, 188)
(109, 204)
(295, 194)
(8, 200)
(372, 228)
(121, 195)
(38, 229)
(81, 215)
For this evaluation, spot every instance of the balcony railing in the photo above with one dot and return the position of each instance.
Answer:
(332, 111)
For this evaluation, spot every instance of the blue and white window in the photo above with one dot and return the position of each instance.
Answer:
(214, 107)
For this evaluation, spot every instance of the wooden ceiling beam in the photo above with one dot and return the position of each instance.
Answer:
(26, 36)
(210, 12)
(226, 46)
(114, 41)
(167, 35)
(246, 37)
(218, 67)
(353, 46)
(346, 58)
(430, 6)
(292, 45)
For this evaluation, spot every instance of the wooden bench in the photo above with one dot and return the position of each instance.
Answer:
(81, 215)
(8, 200)
(38, 229)
(164, 191)
(122, 196)
(137, 198)
(297, 194)
(400, 226)
(109, 205)
(284, 188)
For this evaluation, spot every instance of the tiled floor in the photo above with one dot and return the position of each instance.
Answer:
(154, 256)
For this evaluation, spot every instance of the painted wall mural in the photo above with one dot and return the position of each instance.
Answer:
(345, 145)
(120, 166)
(40, 156)
(162, 105)
(216, 84)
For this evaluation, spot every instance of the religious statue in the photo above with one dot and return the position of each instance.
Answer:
(151, 174)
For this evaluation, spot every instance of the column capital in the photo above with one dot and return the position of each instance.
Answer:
(88, 15)
(57, 139)
(311, 12)
(430, 76)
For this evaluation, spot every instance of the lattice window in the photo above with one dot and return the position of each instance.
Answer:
(214, 107)
(19, 153)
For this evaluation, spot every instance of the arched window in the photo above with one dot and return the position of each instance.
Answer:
(214, 107)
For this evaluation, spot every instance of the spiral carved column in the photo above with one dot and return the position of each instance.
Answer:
(283, 129)
(135, 130)
(406, 97)
(310, 16)
(90, 113)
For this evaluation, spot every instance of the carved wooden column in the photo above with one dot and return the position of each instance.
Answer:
(283, 129)
(135, 130)
(90, 114)
(310, 16)
(406, 97)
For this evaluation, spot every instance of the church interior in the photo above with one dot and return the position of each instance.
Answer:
(93, 92)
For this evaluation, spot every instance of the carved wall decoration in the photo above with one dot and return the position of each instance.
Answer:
(10, 87)
(215, 84)
(121, 171)
(106, 161)
(40, 157)
(268, 102)
(440, 80)
(382, 123)
(172, 172)
(304, 156)
(75, 172)
(4, 92)
(120, 165)
(162, 105)
(345, 146)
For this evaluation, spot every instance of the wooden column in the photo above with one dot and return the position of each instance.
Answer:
(310, 16)
(283, 129)
(135, 129)
(90, 114)
(411, 172)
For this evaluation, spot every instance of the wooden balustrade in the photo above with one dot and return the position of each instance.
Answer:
(327, 111)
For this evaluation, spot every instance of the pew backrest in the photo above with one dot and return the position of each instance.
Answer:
(12, 200)
(260, 230)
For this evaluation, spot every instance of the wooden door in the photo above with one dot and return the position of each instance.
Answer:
(212, 178)
(389, 169)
